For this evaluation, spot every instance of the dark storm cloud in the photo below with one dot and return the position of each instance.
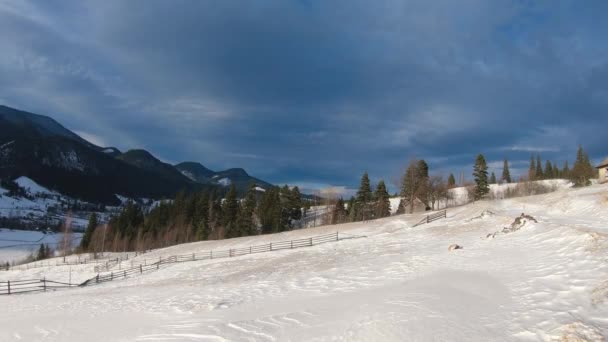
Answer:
(315, 92)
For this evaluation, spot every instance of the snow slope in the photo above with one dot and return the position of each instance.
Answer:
(547, 281)
(16, 245)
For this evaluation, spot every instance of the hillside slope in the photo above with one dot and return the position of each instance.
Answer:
(546, 281)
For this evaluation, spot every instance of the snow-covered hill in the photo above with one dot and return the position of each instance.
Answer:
(547, 281)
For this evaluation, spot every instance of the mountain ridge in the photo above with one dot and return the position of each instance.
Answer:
(42, 149)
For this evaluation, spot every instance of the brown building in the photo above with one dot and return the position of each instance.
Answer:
(603, 171)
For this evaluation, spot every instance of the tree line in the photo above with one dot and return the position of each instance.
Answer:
(196, 217)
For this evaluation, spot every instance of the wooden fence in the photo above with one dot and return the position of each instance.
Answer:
(35, 285)
(432, 217)
(100, 262)
(148, 265)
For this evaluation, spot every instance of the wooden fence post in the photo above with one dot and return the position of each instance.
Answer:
(211, 254)
(44, 284)
(311, 241)
(141, 270)
(125, 274)
(9, 286)
(97, 278)
(271, 246)
(291, 244)
(249, 249)
(193, 257)
(111, 275)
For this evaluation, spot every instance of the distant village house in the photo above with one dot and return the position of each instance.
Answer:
(603, 171)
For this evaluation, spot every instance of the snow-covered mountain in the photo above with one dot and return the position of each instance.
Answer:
(237, 176)
(41, 149)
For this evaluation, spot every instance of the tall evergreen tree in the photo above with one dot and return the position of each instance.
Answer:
(539, 168)
(383, 204)
(269, 211)
(548, 170)
(451, 181)
(532, 169)
(230, 209)
(294, 205)
(246, 224)
(339, 214)
(88, 233)
(422, 191)
(556, 171)
(582, 171)
(352, 209)
(566, 171)
(364, 200)
(42, 253)
(506, 174)
(480, 174)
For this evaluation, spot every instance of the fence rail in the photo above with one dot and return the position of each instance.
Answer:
(34, 285)
(432, 217)
(148, 265)
(73, 262)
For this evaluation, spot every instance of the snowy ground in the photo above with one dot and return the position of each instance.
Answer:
(16, 245)
(546, 282)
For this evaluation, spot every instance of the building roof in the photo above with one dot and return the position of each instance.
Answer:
(603, 164)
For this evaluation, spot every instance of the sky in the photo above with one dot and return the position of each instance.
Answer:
(314, 93)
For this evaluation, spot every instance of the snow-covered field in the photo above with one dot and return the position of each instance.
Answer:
(547, 281)
(16, 245)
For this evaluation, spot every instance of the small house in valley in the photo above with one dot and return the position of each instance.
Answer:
(603, 171)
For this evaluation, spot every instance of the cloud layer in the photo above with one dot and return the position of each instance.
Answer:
(316, 92)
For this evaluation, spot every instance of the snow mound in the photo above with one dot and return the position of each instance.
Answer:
(580, 332)
(225, 181)
(31, 186)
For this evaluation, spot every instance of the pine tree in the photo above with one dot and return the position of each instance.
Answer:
(582, 171)
(364, 199)
(451, 181)
(339, 213)
(294, 205)
(480, 174)
(352, 209)
(548, 170)
(246, 224)
(492, 178)
(42, 254)
(230, 210)
(88, 233)
(269, 211)
(422, 191)
(539, 168)
(506, 174)
(556, 171)
(202, 230)
(566, 170)
(383, 203)
(532, 169)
